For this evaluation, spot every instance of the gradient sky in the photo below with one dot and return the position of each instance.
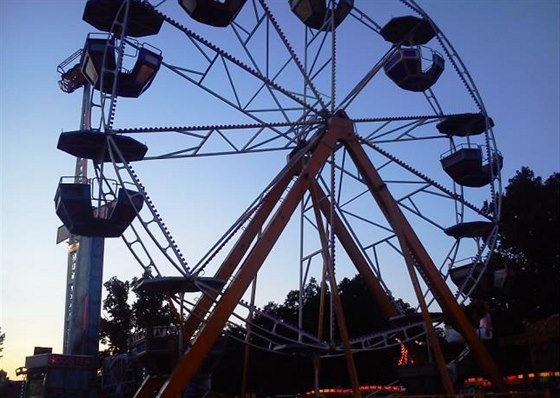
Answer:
(510, 47)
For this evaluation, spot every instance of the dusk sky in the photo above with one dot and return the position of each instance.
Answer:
(511, 49)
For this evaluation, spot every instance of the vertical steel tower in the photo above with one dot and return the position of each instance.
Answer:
(85, 260)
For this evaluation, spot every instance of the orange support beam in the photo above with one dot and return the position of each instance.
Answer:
(339, 311)
(433, 278)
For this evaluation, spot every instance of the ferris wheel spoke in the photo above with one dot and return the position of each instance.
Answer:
(196, 78)
(388, 338)
(435, 184)
(360, 86)
(316, 64)
(239, 138)
(271, 333)
(255, 73)
(306, 78)
(362, 18)
(413, 209)
(245, 107)
(400, 132)
(423, 184)
(165, 243)
(433, 101)
(140, 251)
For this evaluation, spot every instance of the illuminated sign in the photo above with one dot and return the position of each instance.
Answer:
(59, 361)
(70, 361)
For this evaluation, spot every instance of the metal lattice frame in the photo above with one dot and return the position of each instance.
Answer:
(290, 117)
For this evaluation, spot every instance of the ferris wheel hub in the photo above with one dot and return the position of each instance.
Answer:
(340, 120)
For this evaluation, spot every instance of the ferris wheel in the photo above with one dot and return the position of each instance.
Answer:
(384, 156)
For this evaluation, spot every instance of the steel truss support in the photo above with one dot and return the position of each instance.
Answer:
(422, 260)
(252, 248)
(386, 304)
(323, 145)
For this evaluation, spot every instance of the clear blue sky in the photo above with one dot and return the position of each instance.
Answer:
(510, 47)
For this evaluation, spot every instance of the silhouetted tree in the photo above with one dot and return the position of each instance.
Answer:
(116, 329)
(148, 310)
(272, 373)
(529, 247)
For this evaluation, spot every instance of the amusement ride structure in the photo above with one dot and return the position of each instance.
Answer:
(388, 168)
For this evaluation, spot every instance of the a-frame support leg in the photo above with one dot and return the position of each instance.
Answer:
(187, 367)
(429, 271)
(385, 303)
(339, 312)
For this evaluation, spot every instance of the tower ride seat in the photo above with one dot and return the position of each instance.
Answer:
(462, 277)
(157, 350)
(314, 13)
(404, 68)
(465, 125)
(74, 208)
(88, 144)
(466, 167)
(219, 13)
(141, 76)
(180, 284)
(470, 229)
(408, 30)
(72, 79)
(143, 19)
(99, 66)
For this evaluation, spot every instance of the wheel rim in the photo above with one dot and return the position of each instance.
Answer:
(266, 110)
